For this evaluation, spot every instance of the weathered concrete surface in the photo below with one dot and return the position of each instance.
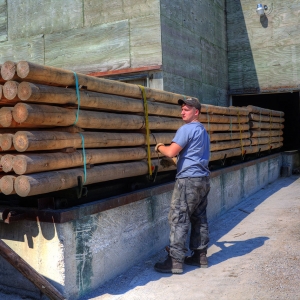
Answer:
(80, 255)
(253, 254)
(194, 49)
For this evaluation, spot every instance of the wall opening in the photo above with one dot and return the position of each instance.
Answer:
(289, 103)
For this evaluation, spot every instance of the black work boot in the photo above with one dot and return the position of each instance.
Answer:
(170, 265)
(198, 259)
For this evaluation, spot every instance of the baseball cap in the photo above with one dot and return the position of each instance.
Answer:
(191, 101)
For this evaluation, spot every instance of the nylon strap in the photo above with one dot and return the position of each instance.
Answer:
(78, 98)
(84, 157)
(142, 88)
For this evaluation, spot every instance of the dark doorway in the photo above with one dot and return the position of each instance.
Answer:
(289, 103)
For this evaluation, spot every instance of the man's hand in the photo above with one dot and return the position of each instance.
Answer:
(168, 162)
(157, 146)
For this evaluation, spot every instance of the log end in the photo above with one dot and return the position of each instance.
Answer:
(7, 162)
(24, 91)
(7, 184)
(22, 186)
(8, 70)
(19, 164)
(21, 141)
(6, 141)
(23, 69)
(20, 112)
(6, 116)
(10, 90)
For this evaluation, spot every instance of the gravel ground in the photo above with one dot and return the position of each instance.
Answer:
(253, 254)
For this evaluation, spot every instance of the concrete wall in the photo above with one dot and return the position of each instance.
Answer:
(81, 35)
(79, 255)
(263, 53)
(194, 49)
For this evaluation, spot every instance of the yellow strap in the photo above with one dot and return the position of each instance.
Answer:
(240, 133)
(147, 128)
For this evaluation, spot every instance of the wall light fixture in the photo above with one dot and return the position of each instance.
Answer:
(261, 9)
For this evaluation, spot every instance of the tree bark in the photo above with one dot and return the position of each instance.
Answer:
(266, 125)
(37, 93)
(266, 140)
(46, 115)
(264, 118)
(265, 111)
(55, 76)
(238, 151)
(53, 140)
(45, 182)
(230, 144)
(34, 163)
(264, 133)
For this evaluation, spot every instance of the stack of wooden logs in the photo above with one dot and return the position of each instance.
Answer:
(265, 128)
(62, 121)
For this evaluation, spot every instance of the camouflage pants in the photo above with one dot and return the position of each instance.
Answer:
(188, 206)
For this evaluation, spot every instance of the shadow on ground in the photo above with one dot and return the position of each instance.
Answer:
(143, 273)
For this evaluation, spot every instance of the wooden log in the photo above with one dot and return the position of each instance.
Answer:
(6, 139)
(6, 142)
(7, 183)
(45, 182)
(225, 127)
(238, 151)
(52, 140)
(8, 70)
(59, 77)
(266, 140)
(234, 111)
(227, 145)
(265, 111)
(6, 162)
(228, 136)
(25, 269)
(263, 125)
(57, 116)
(264, 133)
(43, 162)
(7, 121)
(10, 90)
(264, 118)
(6, 116)
(37, 93)
(46, 115)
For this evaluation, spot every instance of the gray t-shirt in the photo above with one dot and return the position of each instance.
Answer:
(194, 157)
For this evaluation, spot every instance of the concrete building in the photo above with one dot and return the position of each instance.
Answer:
(219, 51)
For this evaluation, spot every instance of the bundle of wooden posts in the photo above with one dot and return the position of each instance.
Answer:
(265, 128)
(68, 125)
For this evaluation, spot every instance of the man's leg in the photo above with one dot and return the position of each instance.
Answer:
(199, 228)
(179, 225)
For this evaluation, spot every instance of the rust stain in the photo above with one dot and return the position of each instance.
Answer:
(125, 71)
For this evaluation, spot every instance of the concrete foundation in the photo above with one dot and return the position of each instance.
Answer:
(92, 245)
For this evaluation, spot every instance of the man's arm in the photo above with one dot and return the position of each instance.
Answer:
(170, 151)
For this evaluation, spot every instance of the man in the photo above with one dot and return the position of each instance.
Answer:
(189, 199)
